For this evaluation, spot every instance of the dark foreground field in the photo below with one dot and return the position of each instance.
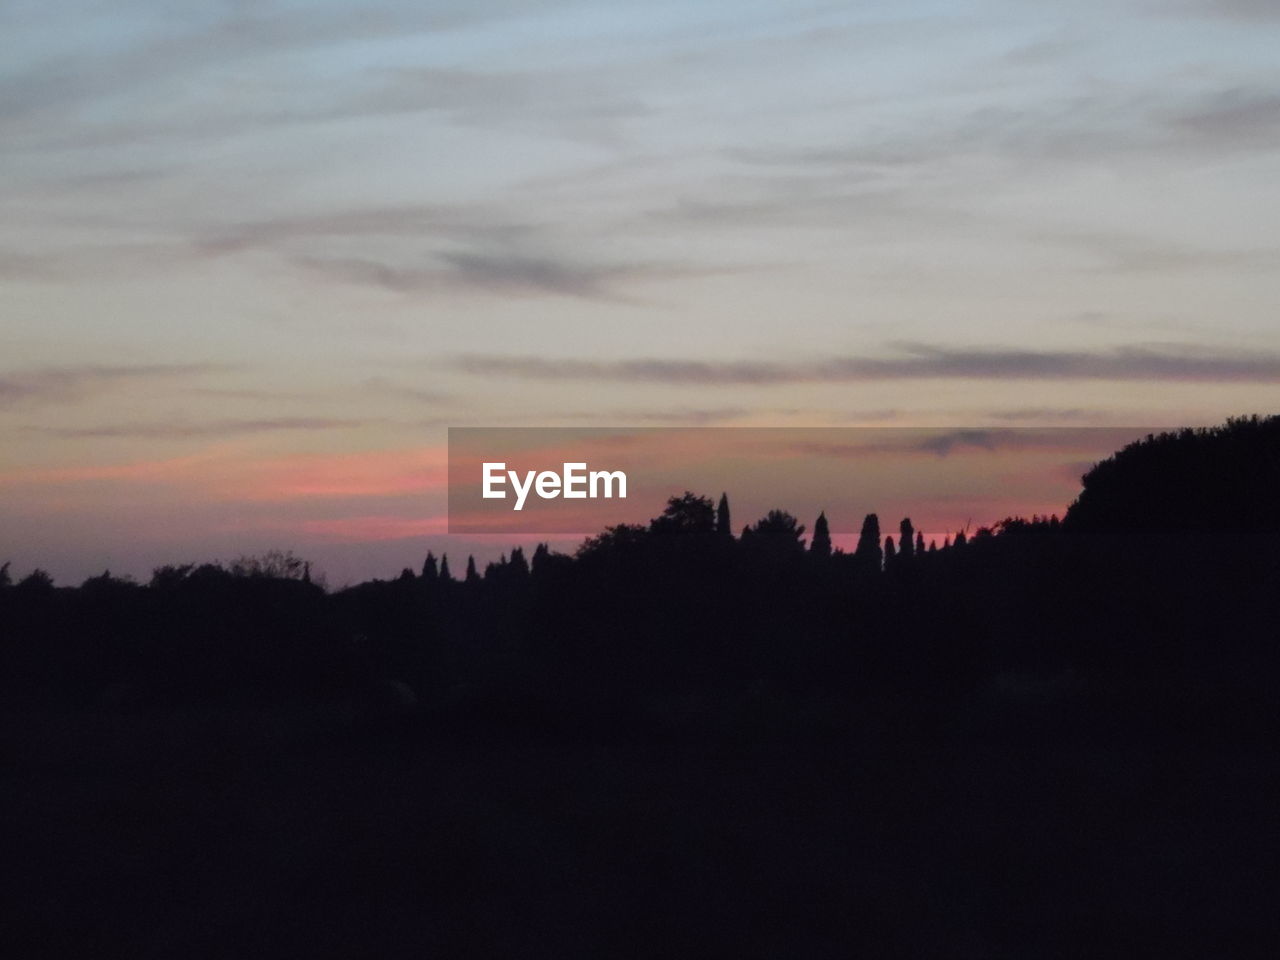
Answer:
(1028, 818)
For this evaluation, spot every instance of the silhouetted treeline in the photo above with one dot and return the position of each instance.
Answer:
(1042, 738)
(1165, 566)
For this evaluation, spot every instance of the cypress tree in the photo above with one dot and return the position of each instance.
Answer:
(907, 539)
(472, 576)
(820, 546)
(868, 551)
(890, 556)
(444, 568)
(429, 571)
(723, 526)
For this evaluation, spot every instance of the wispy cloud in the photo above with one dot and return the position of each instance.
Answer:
(509, 274)
(177, 430)
(52, 91)
(381, 386)
(684, 416)
(442, 223)
(1133, 254)
(919, 441)
(1042, 413)
(71, 384)
(1241, 115)
(914, 362)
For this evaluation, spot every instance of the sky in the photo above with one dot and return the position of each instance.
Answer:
(257, 257)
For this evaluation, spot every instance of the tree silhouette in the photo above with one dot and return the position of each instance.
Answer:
(472, 576)
(687, 514)
(906, 539)
(868, 553)
(724, 526)
(272, 565)
(820, 545)
(1219, 480)
(430, 572)
(776, 534)
(614, 541)
(36, 580)
(518, 565)
(540, 554)
(445, 575)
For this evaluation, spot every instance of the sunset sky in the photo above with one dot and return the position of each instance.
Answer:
(256, 257)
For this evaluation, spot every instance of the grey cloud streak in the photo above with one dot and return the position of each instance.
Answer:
(944, 443)
(501, 273)
(214, 428)
(67, 384)
(916, 362)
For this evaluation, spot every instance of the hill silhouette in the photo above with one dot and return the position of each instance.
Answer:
(676, 740)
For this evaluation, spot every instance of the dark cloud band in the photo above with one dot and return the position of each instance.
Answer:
(914, 362)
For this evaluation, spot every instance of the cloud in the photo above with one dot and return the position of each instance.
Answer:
(895, 165)
(914, 362)
(71, 384)
(1136, 254)
(215, 428)
(1043, 413)
(384, 387)
(945, 443)
(431, 247)
(1242, 115)
(501, 273)
(26, 266)
(55, 90)
(441, 222)
(921, 441)
(685, 416)
(79, 261)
